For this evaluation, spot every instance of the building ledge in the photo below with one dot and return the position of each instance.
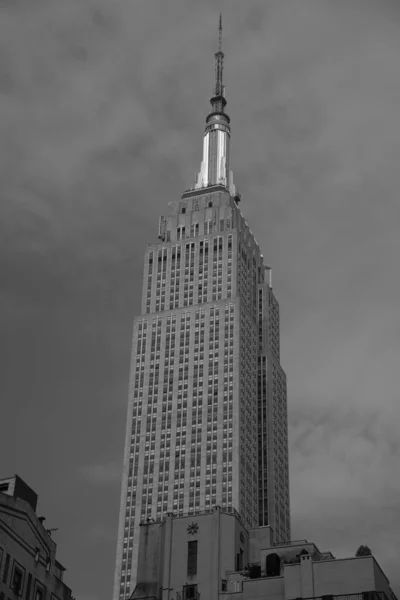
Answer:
(204, 190)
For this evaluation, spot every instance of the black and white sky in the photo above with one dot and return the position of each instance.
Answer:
(102, 110)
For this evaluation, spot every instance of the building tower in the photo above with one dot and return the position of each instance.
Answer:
(207, 415)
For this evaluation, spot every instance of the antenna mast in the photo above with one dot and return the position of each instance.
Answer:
(219, 62)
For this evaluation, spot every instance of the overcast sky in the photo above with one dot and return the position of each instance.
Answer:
(102, 108)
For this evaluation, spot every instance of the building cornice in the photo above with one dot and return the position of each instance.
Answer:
(204, 191)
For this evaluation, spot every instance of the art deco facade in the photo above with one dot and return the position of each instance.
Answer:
(207, 415)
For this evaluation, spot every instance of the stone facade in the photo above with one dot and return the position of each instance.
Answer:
(214, 556)
(28, 565)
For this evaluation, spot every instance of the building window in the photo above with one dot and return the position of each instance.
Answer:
(192, 558)
(39, 593)
(28, 588)
(190, 592)
(239, 560)
(17, 580)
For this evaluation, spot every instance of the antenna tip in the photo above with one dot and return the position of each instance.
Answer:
(220, 33)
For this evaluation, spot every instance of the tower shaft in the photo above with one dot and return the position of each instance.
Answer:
(207, 417)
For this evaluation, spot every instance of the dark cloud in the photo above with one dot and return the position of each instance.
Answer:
(102, 107)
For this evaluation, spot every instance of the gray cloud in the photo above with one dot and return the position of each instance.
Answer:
(103, 474)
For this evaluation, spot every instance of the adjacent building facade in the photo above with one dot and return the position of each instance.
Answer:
(214, 556)
(207, 414)
(29, 568)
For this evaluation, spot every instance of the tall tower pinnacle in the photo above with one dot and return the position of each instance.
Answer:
(214, 169)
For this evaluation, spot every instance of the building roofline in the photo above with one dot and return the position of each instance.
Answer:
(26, 512)
(59, 565)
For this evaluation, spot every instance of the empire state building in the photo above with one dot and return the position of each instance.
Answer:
(207, 413)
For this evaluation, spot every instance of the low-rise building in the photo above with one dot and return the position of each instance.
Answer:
(28, 565)
(212, 556)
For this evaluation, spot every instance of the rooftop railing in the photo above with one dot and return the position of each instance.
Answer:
(291, 543)
(371, 595)
(224, 509)
(237, 586)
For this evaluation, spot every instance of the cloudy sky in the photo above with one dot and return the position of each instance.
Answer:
(102, 108)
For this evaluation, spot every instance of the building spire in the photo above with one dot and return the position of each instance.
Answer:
(215, 169)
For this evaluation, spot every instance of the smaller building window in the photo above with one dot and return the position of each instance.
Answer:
(190, 592)
(28, 588)
(192, 558)
(239, 560)
(17, 580)
(39, 592)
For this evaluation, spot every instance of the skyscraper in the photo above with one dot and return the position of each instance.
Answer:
(207, 415)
